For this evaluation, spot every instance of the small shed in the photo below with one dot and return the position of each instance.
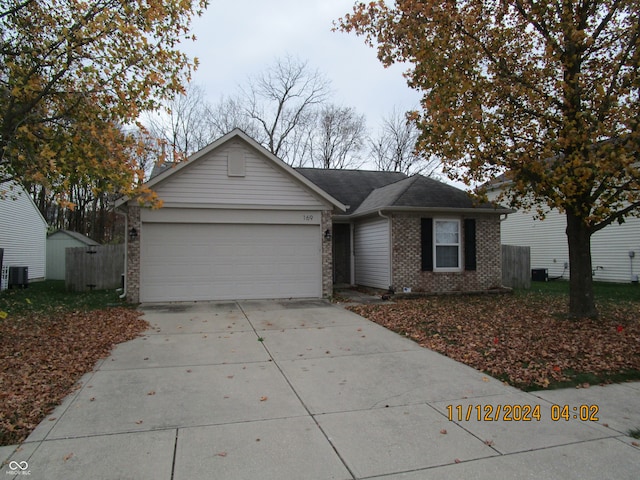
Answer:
(57, 243)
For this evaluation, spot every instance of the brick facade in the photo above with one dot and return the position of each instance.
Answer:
(407, 258)
(327, 256)
(133, 255)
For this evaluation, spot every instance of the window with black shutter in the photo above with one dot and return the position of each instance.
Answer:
(470, 244)
(426, 241)
(441, 245)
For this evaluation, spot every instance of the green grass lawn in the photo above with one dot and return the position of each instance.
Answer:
(604, 292)
(51, 296)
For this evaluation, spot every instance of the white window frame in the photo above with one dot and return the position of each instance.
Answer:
(436, 245)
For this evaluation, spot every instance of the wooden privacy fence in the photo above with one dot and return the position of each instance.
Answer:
(516, 266)
(94, 268)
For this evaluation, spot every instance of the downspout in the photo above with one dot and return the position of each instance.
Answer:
(126, 248)
(388, 218)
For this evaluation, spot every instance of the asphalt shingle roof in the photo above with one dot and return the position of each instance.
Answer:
(350, 187)
(366, 191)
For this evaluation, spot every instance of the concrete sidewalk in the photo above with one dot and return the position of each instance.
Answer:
(307, 390)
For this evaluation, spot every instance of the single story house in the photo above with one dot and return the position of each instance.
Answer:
(239, 223)
(23, 233)
(615, 250)
(57, 244)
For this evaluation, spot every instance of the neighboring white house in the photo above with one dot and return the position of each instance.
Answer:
(615, 250)
(57, 243)
(23, 231)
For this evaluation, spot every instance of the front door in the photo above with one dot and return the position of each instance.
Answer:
(341, 253)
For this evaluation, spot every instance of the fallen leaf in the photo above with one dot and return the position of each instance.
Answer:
(263, 399)
(532, 335)
(456, 460)
(92, 399)
(443, 431)
(139, 422)
(152, 392)
(488, 442)
(221, 454)
(68, 456)
(635, 444)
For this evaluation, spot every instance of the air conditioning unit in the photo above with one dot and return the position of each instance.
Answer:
(18, 277)
(540, 274)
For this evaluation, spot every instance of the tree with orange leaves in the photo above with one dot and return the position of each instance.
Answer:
(544, 91)
(73, 73)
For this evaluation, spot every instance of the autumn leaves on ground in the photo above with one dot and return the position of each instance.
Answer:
(44, 351)
(49, 339)
(524, 339)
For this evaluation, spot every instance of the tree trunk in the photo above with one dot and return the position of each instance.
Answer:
(581, 299)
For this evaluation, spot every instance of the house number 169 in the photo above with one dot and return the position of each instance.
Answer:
(307, 218)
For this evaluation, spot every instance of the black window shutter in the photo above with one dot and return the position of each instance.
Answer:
(426, 242)
(469, 244)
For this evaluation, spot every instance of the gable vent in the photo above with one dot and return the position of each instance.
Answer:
(236, 162)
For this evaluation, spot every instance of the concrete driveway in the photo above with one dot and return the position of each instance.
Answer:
(307, 390)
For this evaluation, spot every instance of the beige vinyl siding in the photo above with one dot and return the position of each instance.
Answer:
(208, 182)
(209, 215)
(23, 232)
(610, 246)
(371, 252)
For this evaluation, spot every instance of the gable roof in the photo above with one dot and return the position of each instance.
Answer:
(75, 235)
(351, 187)
(355, 192)
(418, 192)
(271, 158)
(367, 192)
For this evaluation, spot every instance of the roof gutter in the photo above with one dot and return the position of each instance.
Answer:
(483, 211)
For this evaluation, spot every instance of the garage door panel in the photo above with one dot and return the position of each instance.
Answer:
(224, 261)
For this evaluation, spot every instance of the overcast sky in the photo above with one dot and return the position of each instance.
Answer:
(236, 39)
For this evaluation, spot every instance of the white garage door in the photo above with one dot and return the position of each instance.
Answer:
(228, 261)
